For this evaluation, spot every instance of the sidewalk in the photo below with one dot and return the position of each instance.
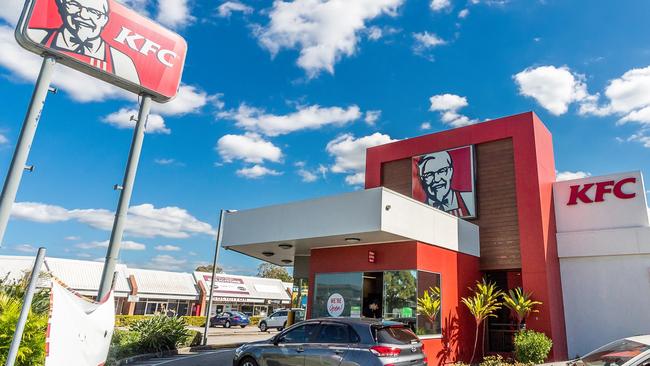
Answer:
(222, 336)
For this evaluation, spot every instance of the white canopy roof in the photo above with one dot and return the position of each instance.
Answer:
(376, 215)
(164, 285)
(244, 287)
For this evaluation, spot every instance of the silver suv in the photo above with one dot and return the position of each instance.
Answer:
(278, 319)
(337, 341)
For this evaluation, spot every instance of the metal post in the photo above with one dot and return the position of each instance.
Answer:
(214, 271)
(27, 304)
(113, 251)
(15, 173)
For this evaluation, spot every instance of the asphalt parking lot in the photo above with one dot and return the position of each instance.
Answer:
(201, 358)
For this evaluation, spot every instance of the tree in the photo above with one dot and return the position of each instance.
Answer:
(521, 304)
(429, 304)
(482, 304)
(207, 268)
(399, 291)
(268, 270)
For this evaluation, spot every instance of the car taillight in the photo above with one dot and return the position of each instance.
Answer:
(237, 318)
(384, 351)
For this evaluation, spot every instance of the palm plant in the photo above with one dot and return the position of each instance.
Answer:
(482, 304)
(521, 304)
(429, 304)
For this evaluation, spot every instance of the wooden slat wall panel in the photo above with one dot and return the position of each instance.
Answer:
(497, 202)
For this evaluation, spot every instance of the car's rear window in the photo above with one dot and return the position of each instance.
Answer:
(395, 334)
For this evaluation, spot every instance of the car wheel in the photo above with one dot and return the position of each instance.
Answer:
(248, 361)
(263, 326)
(282, 327)
(226, 324)
(243, 326)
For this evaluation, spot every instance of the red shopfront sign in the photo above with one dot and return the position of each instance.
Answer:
(371, 256)
(582, 192)
(106, 40)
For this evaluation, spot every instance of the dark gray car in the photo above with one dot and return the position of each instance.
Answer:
(336, 342)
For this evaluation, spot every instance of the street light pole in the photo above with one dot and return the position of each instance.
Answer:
(214, 272)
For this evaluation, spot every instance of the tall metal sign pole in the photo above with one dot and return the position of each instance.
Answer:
(214, 272)
(24, 311)
(125, 198)
(15, 173)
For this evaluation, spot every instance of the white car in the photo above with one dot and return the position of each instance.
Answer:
(633, 351)
(278, 319)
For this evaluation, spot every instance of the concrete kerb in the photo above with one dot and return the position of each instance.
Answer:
(146, 356)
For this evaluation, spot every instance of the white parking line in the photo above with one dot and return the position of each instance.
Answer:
(181, 357)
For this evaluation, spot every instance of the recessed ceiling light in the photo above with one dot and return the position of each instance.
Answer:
(268, 254)
(352, 240)
(285, 246)
(286, 261)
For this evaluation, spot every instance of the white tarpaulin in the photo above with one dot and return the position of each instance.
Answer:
(79, 330)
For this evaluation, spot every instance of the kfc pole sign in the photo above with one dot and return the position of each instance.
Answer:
(595, 203)
(106, 40)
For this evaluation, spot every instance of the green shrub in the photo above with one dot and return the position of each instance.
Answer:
(122, 321)
(497, 360)
(254, 320)
(32, 348)
(195, 321)
(123, 344)
(195, 339)
(532, 347)
(160, 333)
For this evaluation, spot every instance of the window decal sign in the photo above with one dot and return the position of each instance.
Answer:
(106, 40)
(445, 180)
(335, 305)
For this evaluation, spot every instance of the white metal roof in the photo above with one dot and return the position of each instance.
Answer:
(376, 215)
(643, 339)
(82, 276)
(164, 284)
(244, 287)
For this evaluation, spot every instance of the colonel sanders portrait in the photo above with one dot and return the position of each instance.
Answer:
(80, 37)
(436, 171)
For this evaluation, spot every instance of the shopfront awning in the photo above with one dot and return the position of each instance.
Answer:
(233, 288)
(278, 233)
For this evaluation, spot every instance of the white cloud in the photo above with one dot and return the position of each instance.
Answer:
(448, 106)
(463, 13)
(174, 13)
(143, 220)
(554, 88)
(10, 10)
(425, 126)
(25, 248)
(323, 31)
(26, 65)
(425, 41)
(167, 248)
(372, 117)
(3, 139)
(126, 245)
(250, 147)
(350, 154)
(256, 171)
(438, 5)
(374, 33)
(166, 262)
(226, 9)
(568, 175)
(307, 176)
(72, 237)
(122, 120)
(163, 161)
(306, 117)
(189, 99)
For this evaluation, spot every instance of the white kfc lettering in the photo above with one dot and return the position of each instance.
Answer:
(164, 56)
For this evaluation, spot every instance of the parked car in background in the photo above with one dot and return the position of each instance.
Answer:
(230, 318)
(633, 351)
(278, 319)
(336, 341)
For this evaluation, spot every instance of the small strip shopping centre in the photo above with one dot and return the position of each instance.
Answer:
(449, 208)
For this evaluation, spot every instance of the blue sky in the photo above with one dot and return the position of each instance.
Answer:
(280, 99)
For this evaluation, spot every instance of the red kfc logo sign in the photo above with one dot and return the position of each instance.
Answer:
(581, 192)
(107, 40)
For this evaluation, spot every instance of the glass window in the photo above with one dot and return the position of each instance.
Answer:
(333, 333)
(394, 335)
(428, 319)
(347, 285)
(139, 308)
(183, 308)
(300, 334)
(151, 309)
(615, 354)
(400, 297)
